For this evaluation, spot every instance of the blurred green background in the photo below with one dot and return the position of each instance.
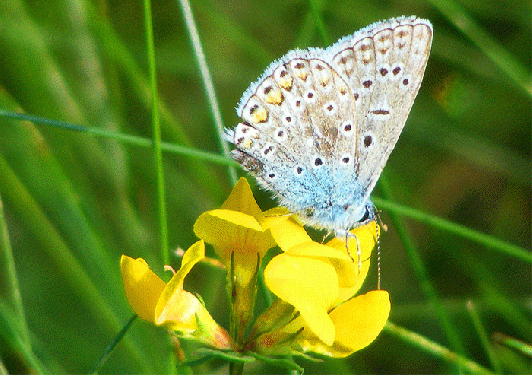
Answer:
(74, 202)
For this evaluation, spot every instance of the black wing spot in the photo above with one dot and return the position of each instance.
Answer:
(367, 84)
(268, 150)
(380, 112)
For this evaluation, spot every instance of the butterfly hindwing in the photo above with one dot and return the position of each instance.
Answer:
(297, 119)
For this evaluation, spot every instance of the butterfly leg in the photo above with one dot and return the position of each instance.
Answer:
(359, 252)
(326, 235)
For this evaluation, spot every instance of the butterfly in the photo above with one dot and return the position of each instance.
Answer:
(319, 125)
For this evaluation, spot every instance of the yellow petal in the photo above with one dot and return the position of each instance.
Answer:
(179, 311)
(350, 278)
(279, 211)
(310, 285)
(358, 322)
(241, 199)
(231, 231)
(193, 255)
(170, 303)
(285, 230)
(142, 287)
(315, 249)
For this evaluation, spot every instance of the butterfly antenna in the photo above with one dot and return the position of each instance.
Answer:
(378, 256)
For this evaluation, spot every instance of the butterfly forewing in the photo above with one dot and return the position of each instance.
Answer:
(384, 67)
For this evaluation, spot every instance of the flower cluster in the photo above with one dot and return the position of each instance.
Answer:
(315, 311)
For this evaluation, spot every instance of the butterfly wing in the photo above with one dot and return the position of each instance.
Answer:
(293, 119)
(319, 125)
(383, 65)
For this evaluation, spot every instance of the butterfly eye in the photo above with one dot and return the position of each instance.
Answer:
(366, 215)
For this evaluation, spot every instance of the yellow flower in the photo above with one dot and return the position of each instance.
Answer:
(240, 239)
(167, 304)
(316, 279)
(315, 283)
(236, 231)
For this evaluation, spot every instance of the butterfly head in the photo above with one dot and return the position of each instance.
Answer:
(338, 218)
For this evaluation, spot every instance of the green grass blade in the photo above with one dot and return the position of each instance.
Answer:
(161, 189)
(207, 81)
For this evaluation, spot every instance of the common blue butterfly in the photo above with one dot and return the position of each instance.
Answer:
(319, 125)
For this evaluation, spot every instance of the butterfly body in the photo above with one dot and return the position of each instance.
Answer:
(319, 124)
